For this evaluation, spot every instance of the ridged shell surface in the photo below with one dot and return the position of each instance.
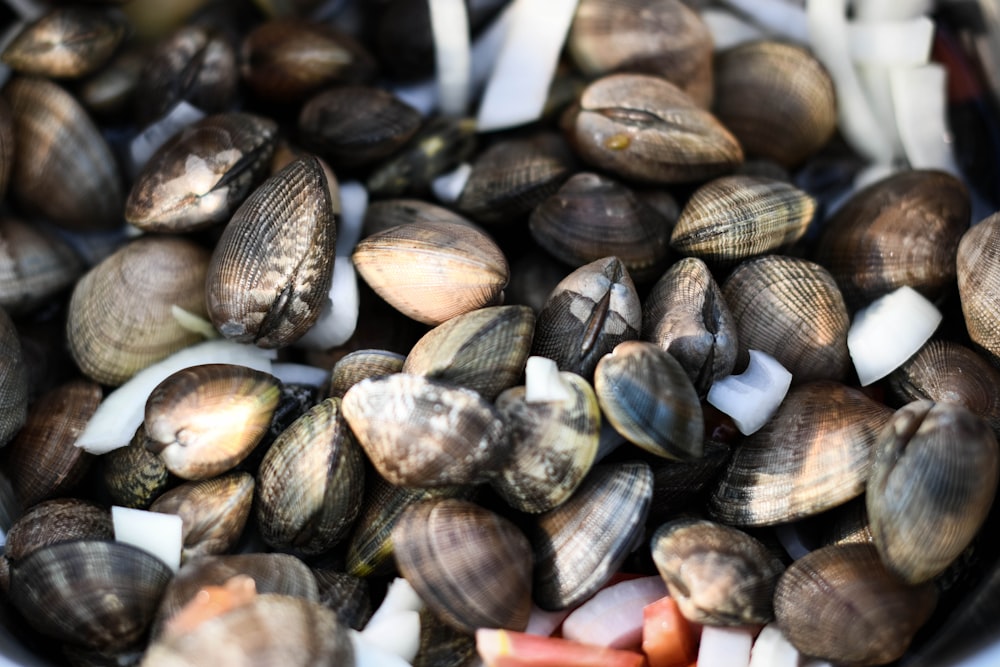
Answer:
(35, 265)
(67, 42)
(132, 475)
(13, 381)
(54, 521)
(360, 365)
(977, 262)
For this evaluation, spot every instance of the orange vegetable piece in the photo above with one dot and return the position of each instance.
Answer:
(668, 640)
(212, 601)
(505, 648)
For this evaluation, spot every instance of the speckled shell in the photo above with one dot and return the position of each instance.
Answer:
(553, 445)
(433, 271)
(943, 370)
(592, 217)
(579, 545)
(736, 217)
(204, 420)
(484, 350)
(54, 521)
(902, 230)
(717, 574)
(420, 432)
(645, 128)
(120, 317)
(202, 173)
(839, 603)
(58, 143)
(13, 381)
(933, 479)
(42, 459)
(35, 265)
(470, 566)
(311, 482)
(93, 594)
(776, 98)
(791, 309)
(214, 512)
(661, 37)
(67, 42)
(360, 365)
(647, 396)
(978, 265)
(589, 312)
(814, 454)
(271, 269)
(685, 314)
(132, 475)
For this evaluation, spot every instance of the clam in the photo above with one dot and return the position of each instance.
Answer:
(381, 215)
(589, 312)
(433, 271)
(484, 350)
(67, 42)
(58, 143)
(420, 432)
(204, 420)
(42, 458)
(933, 479)
(717, 574)
(553, 445)
(360, 365)
(110, 91)
(35, 265)
(54, 521)
(271, 269)
(579, 545)
(13, 381)
(776, 98)
(470, 566)
(202, 173)
(847, 523)
(356, 126)
(213, 512)
(902, 230)
(662, 37)
(442, 645)
(440, 146)
(733, 218)
(92, 594)
(977, 276)
(345, 595)
(840, 604)
(791, 309)
(311, 482)
(795, 467)
(121, 316)
(511, 177)
(592, 216)
(644, 128)
(132, 475)
(685, 315)
(649, 399)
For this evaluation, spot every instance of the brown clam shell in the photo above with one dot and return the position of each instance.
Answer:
(132, 475)
(67, 42)
(346, 595)
(359, 365)
(35, 265)
(54, 521)
(13, 381)
(386, 213)
(469, 565)
(977, 261)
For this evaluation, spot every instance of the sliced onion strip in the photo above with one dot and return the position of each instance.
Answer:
(450, 27)
(752, 397)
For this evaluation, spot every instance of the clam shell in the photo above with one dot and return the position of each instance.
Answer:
(839, 603)
(736, 217)
(777, 99)
(933, 479)
(484, 350)
(55, 521)
(345, 595)
(649, 399)
(791, 309)
(13, 381)
(470, 566)
(579, 545)
(420, 432)
(796, 467)
(132, 475)
(67, 42)
(681, 485)
(120, 317)
(35, 265)
(271, 269)
(978, 276)
(440, 146)
(311, 482)
(360, 365)
(204, 420)
(717, 574)
(381, 215)
(433, 271)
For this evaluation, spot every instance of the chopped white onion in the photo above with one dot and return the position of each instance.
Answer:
(486, 47)
(752, 397)
(772, 649)
(874, 80)
(725, 647)
(920, 99)
(890, 10)
(120, 413)
(448, 187)
(613, 617)
(892, 42)
(785, 19)
(790, 536)
(542, 382)
(728, 30)
(397, 633)
(158, 533)
(300, 374)
(353, 206)
(193, 323)
(399, 597)
(338, 317)
(154, 136)
(450, 28)
(369, 654)
(889, 331)
(519, 84)
(543, 623)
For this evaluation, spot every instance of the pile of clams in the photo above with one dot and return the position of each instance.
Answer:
(673, 209)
